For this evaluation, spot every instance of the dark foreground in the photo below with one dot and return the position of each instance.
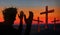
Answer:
(43, 31)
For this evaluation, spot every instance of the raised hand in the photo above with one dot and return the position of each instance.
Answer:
(28, 22)
(21, 15)
(21, 23)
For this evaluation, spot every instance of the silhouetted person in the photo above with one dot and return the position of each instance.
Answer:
(21, 23)
(9, 17)
(28, 23)
(1, 27)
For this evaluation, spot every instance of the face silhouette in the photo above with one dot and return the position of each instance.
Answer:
(10, 14)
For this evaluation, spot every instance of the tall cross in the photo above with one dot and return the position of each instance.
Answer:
(38, 24)
(46, 12)
(55, 22)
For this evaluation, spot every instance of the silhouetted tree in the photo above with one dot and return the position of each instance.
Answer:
(28, 23)
(21, 23)
(9, 17)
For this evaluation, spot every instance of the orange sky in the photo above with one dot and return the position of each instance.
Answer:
(36, 11)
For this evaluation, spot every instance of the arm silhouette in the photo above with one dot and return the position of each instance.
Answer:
(28, 23)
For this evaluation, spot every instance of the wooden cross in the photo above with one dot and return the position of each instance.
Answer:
(38, 24)
(46, 12)
(55, 22)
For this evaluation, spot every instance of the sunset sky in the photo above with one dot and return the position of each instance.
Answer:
(36, 6)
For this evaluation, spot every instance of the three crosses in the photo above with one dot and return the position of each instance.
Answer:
(46, 12)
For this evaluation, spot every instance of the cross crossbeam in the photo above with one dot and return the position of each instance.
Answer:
(55, 20)
(38, 24)
(46, 12)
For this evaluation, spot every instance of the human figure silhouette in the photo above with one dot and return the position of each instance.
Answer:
(28, 23)
(21, 23)
(9, 17)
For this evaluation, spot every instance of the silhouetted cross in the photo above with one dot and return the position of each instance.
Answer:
(55, 22)
(46, 12)
(38, 24)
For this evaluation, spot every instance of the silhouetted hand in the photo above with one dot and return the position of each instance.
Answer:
(21, 14)
(21, 22)
(28, 22)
